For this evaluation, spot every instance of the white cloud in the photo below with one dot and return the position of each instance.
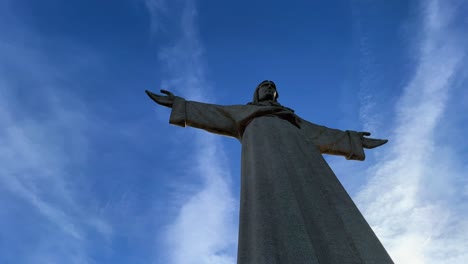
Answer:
(413, 198)
(204, 229)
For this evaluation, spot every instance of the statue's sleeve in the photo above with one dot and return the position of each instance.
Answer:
(334, 141)
(213, 118)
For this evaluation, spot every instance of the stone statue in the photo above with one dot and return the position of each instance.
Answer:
(293, 208)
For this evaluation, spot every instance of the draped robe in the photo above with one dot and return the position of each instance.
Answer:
(293, 208)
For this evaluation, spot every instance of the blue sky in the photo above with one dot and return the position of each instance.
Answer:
(91, 171)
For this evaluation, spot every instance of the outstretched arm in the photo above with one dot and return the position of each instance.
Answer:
(212, 118)
(349, 144)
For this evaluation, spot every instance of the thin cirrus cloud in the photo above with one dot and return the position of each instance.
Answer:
(42, 143)
(413, 198)
(203, 229)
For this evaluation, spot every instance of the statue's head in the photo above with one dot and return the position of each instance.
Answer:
(265, 91)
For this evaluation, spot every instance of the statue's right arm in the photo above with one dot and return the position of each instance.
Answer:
(213, 118)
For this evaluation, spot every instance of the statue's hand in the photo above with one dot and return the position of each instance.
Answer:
(371, 142)
(166, 100)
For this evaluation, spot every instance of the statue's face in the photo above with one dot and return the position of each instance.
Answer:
(267, 91)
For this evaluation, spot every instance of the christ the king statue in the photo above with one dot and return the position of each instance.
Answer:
(293, 209)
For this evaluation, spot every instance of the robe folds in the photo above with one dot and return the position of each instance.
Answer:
(293, 208)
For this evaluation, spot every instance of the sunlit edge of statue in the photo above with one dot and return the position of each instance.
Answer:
(293, 208)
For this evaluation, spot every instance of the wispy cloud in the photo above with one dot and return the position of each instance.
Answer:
(42, 144)
(203, 230)
(158, 10)
(414, 197)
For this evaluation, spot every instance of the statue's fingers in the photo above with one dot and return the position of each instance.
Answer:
(366, 134)
(380, 142)
(149, 93)
(167, 92)
(152, 95)
(373, 142)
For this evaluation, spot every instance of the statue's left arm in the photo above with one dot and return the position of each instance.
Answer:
(349, 144)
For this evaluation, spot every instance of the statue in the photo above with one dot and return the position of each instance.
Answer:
(293, 208)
